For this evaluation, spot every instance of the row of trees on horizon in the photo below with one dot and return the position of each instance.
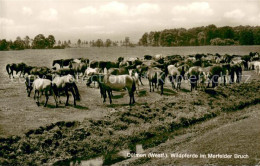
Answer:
(200, 36)
(42, 42)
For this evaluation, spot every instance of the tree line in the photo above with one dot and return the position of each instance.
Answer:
(107, 43)
(42, 42)
(200, 36)
(38, 42)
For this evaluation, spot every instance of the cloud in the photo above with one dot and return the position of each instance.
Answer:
(49, 15)
(87, 27)
(6, 21)
(114, 8)
(87, 10)
(235, 14)
(120, 9)
(145, 9)
(27, 11)
(195, 8)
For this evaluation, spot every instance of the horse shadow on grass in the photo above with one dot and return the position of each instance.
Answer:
(118, 96)
(142, 93)
(168, 92)
(124, 105)
(70, 105)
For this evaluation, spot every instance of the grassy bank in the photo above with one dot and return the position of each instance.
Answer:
(144, 124)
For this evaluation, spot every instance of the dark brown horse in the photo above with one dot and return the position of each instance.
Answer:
(19, 67)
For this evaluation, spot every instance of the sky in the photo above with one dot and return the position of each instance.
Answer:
(115, 19)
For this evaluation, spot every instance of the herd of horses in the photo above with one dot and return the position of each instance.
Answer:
(200, 70)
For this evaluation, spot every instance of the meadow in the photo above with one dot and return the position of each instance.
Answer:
(93, 128)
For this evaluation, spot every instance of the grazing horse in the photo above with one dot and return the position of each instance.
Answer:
(133, 73)
(108, 65)
(235, 69)
(78, 67)
(29, 83)
(141, 70)
(156, 75)
(194, 75)
(214, 73)
(66, 84)
(59, 61)
(40, 71)
(94, 64)
(148, 57)
(42, 85)
(27, 69)
(108, 83)
(118, 71)
(10, 68)
(175, 74)
(62, 62)
(63, 72)
(90, 72)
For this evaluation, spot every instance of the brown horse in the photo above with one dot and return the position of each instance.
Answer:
(108, 83)
(19, 67)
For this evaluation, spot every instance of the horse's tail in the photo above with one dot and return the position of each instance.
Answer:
(8, 69)
(76, 91)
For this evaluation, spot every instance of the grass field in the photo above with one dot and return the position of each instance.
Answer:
(94, 129)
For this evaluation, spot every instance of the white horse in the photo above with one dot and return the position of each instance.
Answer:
(65, 83)
(133, 73)
(257, 67)
(90, 72)
(42, 85)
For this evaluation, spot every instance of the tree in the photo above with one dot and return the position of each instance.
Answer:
(144, 40)
(127, 41)
(246, 37)
(201, 38)
(69, 43)
(99, 43)
(257, 37)
(50, 41)
(59, 42)
(108, 43)
(18, 44)
(39, 42)
(27, 42)
(79, 43)
(3, 45)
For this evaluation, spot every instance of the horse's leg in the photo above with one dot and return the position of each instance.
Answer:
(74, 96)
(150, 85)
(29, 93)
(140, 79)
(161, 89)
(59, 97)
(104, 95)
(35, 91)
(55, 97)
(67, 94)
(109, 95)
(38, 98)
(130, 96)
(12, 73)
(47, 97)
(133, 98)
